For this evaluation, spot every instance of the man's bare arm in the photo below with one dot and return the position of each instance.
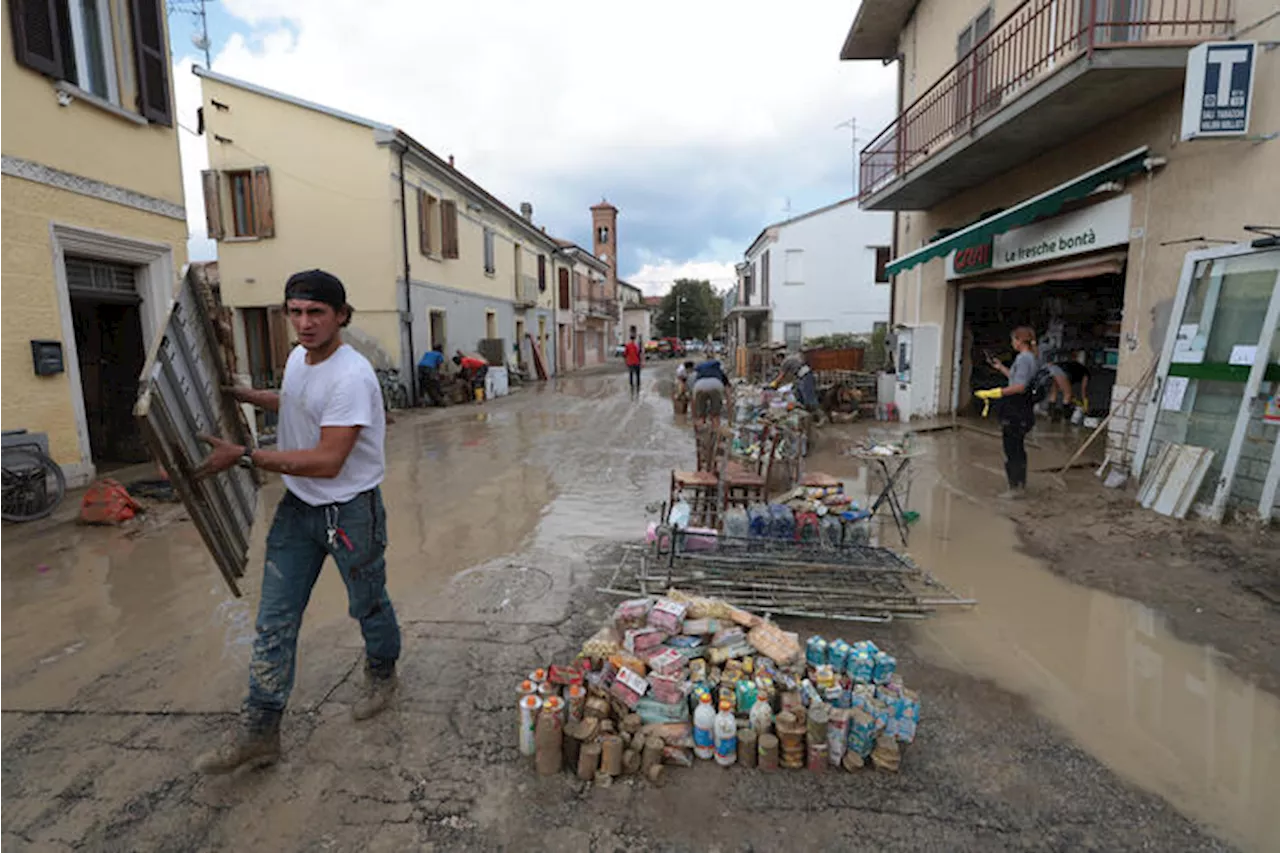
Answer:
(325, 460)
(268, 400)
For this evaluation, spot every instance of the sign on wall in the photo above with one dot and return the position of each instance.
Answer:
(1218, 92)
(1088, 229)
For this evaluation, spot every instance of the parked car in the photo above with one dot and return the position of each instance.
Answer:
(675, 347)
(620, 350)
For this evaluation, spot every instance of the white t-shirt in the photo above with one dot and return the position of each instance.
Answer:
(342, 390)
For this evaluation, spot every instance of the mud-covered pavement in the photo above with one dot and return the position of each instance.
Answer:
(1055, 716)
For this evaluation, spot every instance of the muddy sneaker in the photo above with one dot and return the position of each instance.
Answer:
(1015, 494)
(256, 746)
(377, 696)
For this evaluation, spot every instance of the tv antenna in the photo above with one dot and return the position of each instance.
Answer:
(200, 38)
(852, 124)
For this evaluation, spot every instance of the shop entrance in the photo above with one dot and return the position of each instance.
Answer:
(1075, 321)
(106, 314)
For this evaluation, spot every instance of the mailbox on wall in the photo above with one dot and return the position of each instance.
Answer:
(46, 357)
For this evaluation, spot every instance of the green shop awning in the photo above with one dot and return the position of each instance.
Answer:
(1045, 204)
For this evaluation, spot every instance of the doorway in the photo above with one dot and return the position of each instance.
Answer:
(1074, 321)
(520, 359)
(435, 319)
(106, 316)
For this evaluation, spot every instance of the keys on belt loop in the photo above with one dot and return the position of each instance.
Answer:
(334, 534)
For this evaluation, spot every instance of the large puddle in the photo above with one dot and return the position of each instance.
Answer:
(1168, 715)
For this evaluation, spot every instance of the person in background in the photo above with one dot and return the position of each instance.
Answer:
(429, 374)
(795, 370)
(682, 394)
(1017, 417)
(634, 359)
(710, 392)
(1067, 376)
(473, 371)
(331, 452)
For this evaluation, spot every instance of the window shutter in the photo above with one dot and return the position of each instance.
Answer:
(212, 204)
(37, 42)
(449, 228)
(424, 224)
(565, 304)
(279, 332)
(542, 273)
(264, 217)
(152, 61)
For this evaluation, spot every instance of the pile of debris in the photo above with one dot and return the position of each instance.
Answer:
(677, 678)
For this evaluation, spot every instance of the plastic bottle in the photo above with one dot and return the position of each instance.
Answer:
(726, 732)
(761, 715)
(704, 726)
(737, 524)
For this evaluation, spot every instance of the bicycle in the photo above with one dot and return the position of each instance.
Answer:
(33, 484)
(394, 394)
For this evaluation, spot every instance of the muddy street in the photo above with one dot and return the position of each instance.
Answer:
(1057, 715)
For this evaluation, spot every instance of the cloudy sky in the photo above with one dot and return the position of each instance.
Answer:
(701, 121)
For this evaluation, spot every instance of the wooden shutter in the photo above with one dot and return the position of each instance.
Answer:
(424, 223)
(565, 304)
(37, 41)
(279, 333)
(264, 217)
(211, 181)
(151, 59)
(449, 228)
(542, 273)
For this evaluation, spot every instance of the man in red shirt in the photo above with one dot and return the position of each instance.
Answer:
(473, 371)
(634, 359)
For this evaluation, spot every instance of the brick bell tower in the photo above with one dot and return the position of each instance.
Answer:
(604, 240)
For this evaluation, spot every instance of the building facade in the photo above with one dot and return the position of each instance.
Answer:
(582, 312)
(1040, 173)
(637, 319)
(94, 227)
(821, 273)
(428, 256)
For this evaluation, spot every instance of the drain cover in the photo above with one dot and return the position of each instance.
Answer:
(500, 589)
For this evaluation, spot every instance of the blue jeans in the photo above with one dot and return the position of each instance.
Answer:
(296, 549)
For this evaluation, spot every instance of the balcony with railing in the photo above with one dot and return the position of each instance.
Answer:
(1048, 72)
(526, 291)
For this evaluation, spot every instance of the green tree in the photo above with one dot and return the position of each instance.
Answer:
(700, 309)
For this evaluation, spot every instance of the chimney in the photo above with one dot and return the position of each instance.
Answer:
(450, 161)
(526, 210)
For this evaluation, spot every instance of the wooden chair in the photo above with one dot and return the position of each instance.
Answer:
(745, 483)
(703, 484)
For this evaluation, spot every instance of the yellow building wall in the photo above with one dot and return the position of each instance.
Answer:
(466, 272)
(82, 138)
(333, 198)
(30, 301)
(1209, 187)
(928, 41)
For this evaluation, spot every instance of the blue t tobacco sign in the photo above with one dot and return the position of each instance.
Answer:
(1218, 92)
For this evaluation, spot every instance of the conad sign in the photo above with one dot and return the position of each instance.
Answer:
(1096, 227)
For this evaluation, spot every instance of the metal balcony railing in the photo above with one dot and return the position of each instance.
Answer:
(602, 308)
(1037, 38)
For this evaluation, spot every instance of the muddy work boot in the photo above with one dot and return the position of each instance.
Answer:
(1016, 493)
(254, 743)
(378, 690)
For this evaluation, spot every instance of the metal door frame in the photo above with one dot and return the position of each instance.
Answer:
(1251, 385)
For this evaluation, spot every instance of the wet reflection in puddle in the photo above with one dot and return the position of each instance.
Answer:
(1165, 714)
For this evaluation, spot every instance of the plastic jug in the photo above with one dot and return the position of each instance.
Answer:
(737, 523)
(782, 523)
(726, 734)
(758, 519)
(704, 726)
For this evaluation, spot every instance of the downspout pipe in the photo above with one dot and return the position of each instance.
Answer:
(408, 286)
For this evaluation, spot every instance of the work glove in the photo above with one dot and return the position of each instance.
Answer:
(986, 396)
(1083, 404)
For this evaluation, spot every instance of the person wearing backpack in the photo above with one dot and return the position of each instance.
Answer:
(1017, 399)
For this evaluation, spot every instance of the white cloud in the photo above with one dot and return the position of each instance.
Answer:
(662, 107)
(655, 277)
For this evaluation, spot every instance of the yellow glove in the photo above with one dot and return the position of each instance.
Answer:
(1083, 403)
(986, 396)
